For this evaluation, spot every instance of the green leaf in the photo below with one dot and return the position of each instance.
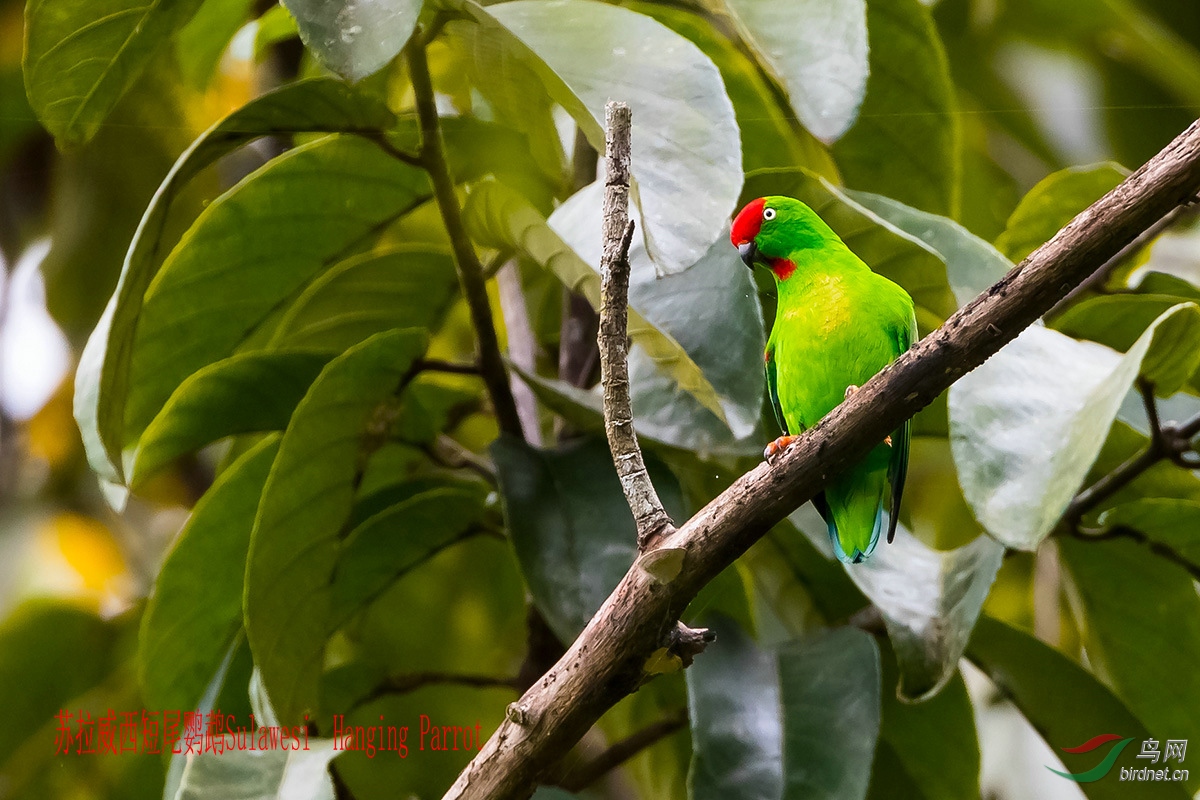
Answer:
(394, 541)
(816, 51)
(497, 215)
(400, 287)
(570, 525)
(972, 264)
(802, 722)
(305, 506)
(830, 694)
(885, 247)
(1167, 521)
(906, 142)
(297, 774)
(203, 41)
(930, 601)
(1054, 202)
(1139, 616)
(735, 713)
(771, 134)
(49, 653)
(195, 610)
(81, 58)
(246, 393)
(1026, 426)
(1062, 700)
(102, 378)
(355, 39)
(934, 742)
(686, 158)
(712, 312)
(259, 243)
(1118, 321)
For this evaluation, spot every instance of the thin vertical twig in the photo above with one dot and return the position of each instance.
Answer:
(648, 512)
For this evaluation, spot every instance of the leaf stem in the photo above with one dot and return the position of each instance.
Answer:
(470, 271)
(580, 776)
(1166, 442)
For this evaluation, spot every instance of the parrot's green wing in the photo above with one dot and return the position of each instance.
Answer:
(773, 393)
(898, 465)
(773, 390)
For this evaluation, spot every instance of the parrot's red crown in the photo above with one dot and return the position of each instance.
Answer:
(748, 222)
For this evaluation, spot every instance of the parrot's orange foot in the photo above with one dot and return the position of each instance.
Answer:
(851, 390)
(778, 446)
(887, 440)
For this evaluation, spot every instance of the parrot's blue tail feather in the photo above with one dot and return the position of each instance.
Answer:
(858, 556)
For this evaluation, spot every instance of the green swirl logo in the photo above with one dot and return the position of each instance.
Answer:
(1100, 770)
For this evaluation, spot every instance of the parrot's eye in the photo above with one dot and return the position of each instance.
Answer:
(768, 213)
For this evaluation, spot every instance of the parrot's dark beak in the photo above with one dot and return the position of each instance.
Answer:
(749, 252)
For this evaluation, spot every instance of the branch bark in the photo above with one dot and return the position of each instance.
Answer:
(652, 520)
(470, 271)
(605, 662)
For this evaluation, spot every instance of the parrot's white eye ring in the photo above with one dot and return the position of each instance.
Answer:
(768, 214)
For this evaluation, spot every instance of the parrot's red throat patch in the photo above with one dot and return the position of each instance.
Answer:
(748, 222)
(782, 267)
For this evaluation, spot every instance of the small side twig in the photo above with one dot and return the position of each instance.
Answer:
(1159, 549)
(613, 339)
(411, 682)
(1166, 442)
(584, 775)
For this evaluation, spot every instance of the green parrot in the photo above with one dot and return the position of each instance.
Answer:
(837, 324)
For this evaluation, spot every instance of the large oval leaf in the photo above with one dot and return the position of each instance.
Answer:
(929, 599)
(906, 142)
(102, 378)
(81, 57)
(570, 525)
(1063, 701)
(355, 38)
(255, 246)
(817, 50)
(686, 158)
(932, 745)
(1139, 616)
(801, 722)
(194, 612)
(246, 393)
(1054, 202)
(397, 287)
(306, 504)
(1026, 426)
(771, 134)
(394, 541)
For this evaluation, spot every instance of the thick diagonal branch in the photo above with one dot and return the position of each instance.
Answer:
(652, 520)
(605, 662)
